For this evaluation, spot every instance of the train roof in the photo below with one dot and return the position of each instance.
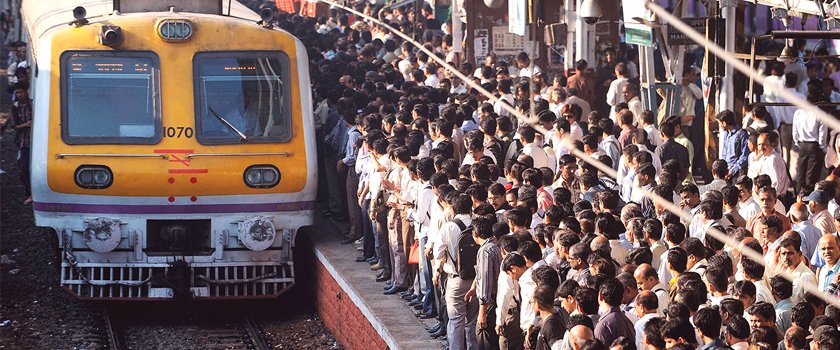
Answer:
(42, 17)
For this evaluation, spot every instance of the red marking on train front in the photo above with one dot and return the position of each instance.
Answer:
(193, 179)
(171, 180)
(176, 159)
(171, 199)
(188, 171)
(193, 199)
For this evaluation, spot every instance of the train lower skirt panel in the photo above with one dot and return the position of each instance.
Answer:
(161, 281)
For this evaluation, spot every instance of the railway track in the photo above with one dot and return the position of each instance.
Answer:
(240, 332)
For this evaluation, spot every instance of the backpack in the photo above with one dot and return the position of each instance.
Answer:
(466, 252)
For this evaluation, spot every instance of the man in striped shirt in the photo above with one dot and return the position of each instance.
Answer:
(487, 268)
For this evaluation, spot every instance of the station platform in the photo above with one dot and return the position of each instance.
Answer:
(350, 301)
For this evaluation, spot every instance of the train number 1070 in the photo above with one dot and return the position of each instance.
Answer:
(178, 131)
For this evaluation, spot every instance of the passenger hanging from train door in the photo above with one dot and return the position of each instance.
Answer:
(21, 122)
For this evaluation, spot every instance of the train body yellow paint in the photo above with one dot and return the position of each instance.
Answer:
(173, 151)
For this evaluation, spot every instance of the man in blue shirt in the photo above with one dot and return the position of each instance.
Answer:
(347, 165)
(734, 147)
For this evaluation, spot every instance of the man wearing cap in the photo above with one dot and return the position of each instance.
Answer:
(821, 335)
(818, 204)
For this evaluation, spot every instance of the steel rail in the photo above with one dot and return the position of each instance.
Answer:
(115, 336)
(256, 336)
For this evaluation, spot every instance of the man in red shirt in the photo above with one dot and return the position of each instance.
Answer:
(581, 81)
(767, 201)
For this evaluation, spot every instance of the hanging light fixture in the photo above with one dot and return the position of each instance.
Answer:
(788, 54)
(494, 4)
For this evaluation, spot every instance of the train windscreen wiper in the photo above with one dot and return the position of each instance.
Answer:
(228, 124)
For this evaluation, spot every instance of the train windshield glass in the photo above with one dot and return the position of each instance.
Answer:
(242, 97)
(110, 98)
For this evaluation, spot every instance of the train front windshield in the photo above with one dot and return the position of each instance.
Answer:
(242, 97)
(110, 97)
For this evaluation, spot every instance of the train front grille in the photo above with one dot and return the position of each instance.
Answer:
(139, 281)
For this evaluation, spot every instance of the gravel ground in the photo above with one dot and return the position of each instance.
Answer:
(37, 314)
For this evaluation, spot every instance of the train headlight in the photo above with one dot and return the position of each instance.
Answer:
(257, 233)
(175, 29)
(261, 176)
(102, 235)
(94, 176)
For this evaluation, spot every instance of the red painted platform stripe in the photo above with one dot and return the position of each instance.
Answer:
(185, 151)
(187, 171)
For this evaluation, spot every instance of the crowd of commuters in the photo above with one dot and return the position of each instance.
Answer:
(20, 120)
(511, 238)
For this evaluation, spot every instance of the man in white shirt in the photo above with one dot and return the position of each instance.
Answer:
(754, 272)
(504, 90)
(747, 206)
(462, 312)
(533, 259)
(614, 92)
(523, 62)
(421, 215)
(585, 108)
(689, 93)
(790, 258)
(631, 95)
(648, 280)
(647, 306)
(772, 164)
(784, 116)
(528, 135)
(810, 135)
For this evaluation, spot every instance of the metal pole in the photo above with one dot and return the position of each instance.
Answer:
(752, 64)
(728, 88)
(531, 65)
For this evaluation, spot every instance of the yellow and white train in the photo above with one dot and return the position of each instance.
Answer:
(173, 147)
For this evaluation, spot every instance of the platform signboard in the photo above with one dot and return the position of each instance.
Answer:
(678, 38)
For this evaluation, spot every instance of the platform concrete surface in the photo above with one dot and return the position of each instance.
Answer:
(388, 314)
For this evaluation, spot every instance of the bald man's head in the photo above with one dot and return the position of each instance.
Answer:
(579, 335)
(599, 242)
(646, 277)
(799, 212)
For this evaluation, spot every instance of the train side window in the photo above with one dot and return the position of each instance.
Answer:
(110, 98)
(242, 97)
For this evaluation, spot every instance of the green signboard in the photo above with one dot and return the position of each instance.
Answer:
(638, 34)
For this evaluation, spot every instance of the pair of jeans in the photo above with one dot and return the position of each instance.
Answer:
(426, 286)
